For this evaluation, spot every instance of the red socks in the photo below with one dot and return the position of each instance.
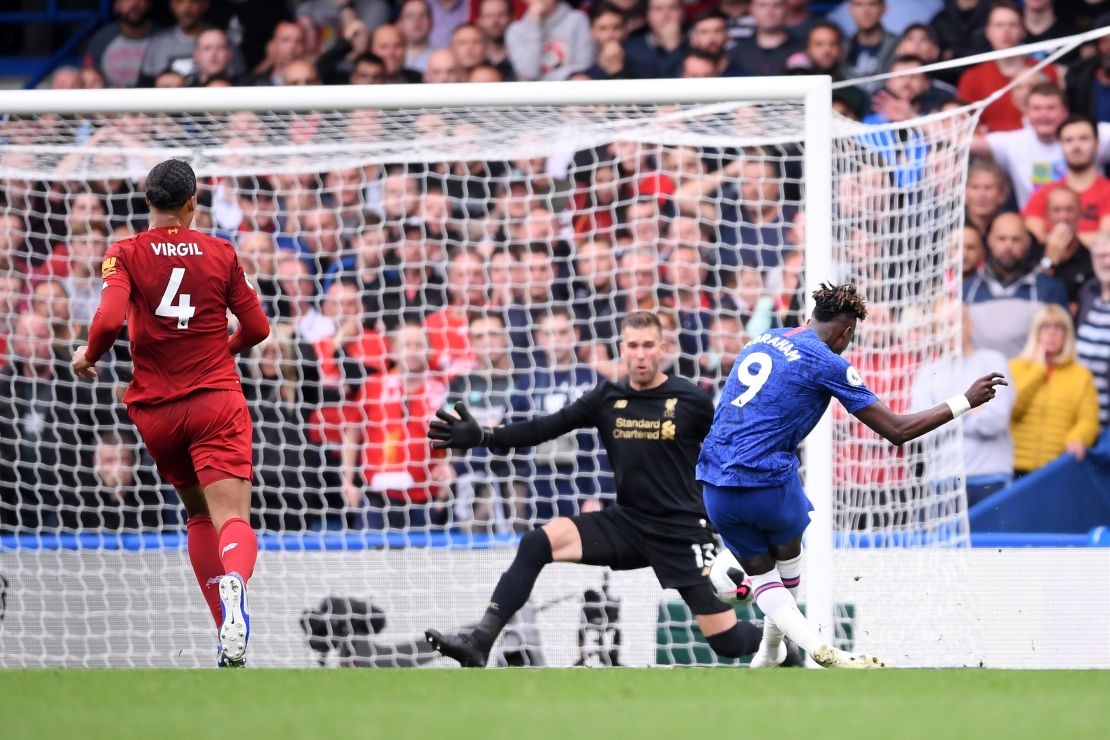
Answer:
(204, 553)
(234, 549)
(238, 548)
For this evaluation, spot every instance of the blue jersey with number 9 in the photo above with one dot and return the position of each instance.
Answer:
(776, 393)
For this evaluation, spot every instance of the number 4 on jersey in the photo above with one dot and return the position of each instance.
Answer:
(753, 381)
(182, 311)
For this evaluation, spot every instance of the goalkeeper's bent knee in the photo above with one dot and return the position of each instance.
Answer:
(739, 640)
(534, 549)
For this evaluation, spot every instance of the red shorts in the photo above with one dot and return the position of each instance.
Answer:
(203, 437)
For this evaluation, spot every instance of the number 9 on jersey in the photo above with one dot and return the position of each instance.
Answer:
(752, 379)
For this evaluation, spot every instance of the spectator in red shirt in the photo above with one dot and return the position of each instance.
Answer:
(1004, 31)
(343, 359)
(874, 471)
(596, 203)
(448, 328)
(405, 480)
(1078, 136)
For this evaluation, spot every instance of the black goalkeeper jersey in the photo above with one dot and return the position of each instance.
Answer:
(653, 438)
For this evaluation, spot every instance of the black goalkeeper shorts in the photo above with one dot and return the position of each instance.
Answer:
(680, 557)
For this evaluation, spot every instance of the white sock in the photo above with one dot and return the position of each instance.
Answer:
(791, 574)
(778, 605)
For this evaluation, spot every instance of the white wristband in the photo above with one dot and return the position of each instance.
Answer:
(959, 405)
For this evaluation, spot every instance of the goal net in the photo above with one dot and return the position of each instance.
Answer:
(411, 256)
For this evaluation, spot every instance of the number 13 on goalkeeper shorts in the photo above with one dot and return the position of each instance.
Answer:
(704, 553)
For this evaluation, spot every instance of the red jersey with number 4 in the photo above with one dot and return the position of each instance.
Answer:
(182, 283)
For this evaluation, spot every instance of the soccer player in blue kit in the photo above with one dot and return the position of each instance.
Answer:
(778, 390)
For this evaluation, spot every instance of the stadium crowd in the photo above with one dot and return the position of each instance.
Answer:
(394, 290)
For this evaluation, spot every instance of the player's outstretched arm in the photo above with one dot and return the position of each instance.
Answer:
(461, 431)
(105, 327)
(901, 428)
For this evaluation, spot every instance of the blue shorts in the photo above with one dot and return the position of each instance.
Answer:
(750, 520)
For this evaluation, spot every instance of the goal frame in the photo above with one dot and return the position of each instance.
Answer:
(814, 91)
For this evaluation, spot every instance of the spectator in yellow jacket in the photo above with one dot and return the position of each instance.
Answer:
(1057, 407)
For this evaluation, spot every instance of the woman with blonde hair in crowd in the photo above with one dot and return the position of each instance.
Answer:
(1056, 410)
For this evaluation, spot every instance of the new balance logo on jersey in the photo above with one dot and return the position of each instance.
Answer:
(167, 249)
(229, 548)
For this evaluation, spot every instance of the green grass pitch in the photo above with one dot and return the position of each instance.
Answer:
(681, 704)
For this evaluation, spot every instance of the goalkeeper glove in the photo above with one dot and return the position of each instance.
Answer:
(459, 432)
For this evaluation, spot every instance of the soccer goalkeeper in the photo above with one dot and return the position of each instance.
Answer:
(652, 426)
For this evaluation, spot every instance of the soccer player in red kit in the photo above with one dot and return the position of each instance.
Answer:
(175, 286)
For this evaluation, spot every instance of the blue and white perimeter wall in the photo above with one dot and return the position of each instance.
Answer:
(1001, 608)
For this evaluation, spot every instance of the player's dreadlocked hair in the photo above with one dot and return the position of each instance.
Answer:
(831, 301)
(170, 184)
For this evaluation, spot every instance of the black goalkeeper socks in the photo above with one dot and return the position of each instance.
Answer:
(513, 589)
(741, 639)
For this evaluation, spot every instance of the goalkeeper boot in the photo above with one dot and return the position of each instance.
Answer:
(461, 646)
(794, 657)
(829, 657)
(236, 628)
